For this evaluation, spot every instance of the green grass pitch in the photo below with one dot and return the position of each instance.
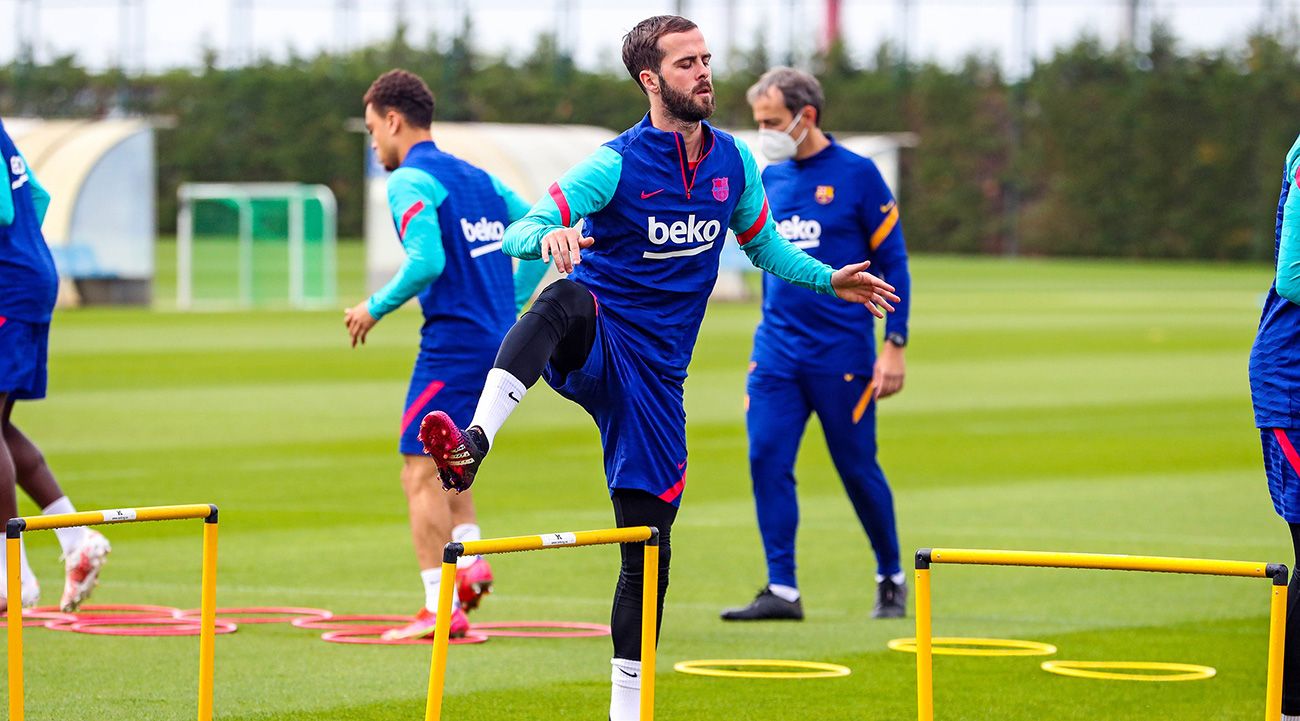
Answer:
(1049, 405)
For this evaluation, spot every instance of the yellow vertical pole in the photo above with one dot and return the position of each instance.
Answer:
(441, 639)
(14, 594)
(208, 617)
(1276, 646)
(649, 624)
(924, 659)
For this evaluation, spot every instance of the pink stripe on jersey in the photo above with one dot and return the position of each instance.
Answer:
(561, 202)
(748, 235)
(421, 400)
(411, 212)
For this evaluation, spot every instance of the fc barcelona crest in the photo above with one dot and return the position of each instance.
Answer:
(825, 194)
(720, 190)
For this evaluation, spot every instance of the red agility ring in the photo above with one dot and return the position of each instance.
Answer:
(370, 636)
(564, 629)
(369, 621)
(261, 614)
(39, 616)
(145, 627)
(124, 611)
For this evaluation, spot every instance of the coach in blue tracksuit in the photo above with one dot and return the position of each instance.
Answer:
(813, 355)
(1275, 390)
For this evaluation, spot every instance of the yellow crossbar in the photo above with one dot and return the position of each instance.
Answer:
(1207, 566)
(117, 515)
(636, 534)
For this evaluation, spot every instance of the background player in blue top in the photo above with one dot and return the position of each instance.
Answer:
(450, 218)
(29, 286)
(617, 335)
(1274, 388)
(815, 355)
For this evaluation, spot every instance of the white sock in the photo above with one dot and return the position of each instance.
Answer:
(69, 538)
(898, 578)
(28, 576)
(501, 395)
(1287, 717)
(625, 690)
(432, 579)
(466, 532)
(788, 593)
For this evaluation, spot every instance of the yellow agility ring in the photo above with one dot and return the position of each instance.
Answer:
(1084, 669)
(958, 646)
(808, 669)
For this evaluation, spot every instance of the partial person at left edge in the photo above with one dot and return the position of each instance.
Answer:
(29, 287)
(450, 218)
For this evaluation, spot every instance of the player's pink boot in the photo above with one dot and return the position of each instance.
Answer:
(424, 624)
(473, 583)
(457, 453)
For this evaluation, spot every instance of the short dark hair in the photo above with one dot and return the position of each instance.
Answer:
(405, 92)
(797, 89)
(641, 49)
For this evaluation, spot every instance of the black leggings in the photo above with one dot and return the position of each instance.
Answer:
(638, 508)
(1291, 658)
(558, 329)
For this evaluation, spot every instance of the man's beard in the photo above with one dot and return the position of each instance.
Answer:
(687, 107)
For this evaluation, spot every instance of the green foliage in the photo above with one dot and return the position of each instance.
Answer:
(1101, 151)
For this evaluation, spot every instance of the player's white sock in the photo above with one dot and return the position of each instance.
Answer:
(69, 538)
(1288, 717)
(463, 533)
(432, 579)
(625, 690)
(898, 578)
(501, 395)
(788, 593)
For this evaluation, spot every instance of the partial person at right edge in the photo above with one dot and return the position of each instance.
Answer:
(1274, 382)
(813, 354)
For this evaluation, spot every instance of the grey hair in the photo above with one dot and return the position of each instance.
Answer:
(797, 88)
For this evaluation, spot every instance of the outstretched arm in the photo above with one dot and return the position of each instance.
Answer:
(1288, 252)
(766, 249)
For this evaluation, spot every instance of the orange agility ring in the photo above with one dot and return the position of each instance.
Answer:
(145, 627)
(262, 614)
(540, 629)
(382, 621)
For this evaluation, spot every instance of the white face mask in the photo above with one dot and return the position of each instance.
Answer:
(777, 145)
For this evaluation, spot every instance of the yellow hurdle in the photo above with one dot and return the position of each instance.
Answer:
(208, 609)
(1159, 564)
(649, 600)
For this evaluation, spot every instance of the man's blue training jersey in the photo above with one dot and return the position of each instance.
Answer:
(838, 209)
(471, 302)
(29, 284)
(658, 222)
(1275, 355)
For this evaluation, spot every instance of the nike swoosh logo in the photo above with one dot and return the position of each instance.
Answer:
(511, 395)
(645, 195)
(629, 675)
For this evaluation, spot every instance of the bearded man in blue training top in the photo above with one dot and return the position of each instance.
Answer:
(815, 355)
(1275, 389)
(617, 335)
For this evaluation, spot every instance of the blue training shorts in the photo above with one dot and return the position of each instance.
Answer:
(640, 414)
(24, 353)
(441, 384)
(1282, 466)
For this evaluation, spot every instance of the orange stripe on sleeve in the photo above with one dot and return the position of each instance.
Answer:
(885, 228)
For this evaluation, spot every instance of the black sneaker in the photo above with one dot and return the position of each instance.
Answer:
(457, 453)
(891, 599)
(766, 606)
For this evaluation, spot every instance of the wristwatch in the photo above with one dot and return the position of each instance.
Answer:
(897, 339)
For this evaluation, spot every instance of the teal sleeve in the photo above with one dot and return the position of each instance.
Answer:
(1288, 251)
(527, 275)
(413, 199)
(40, 198)
(584, 189)
(766, 249)
(516, 207)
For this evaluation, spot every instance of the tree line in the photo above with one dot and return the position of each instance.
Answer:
(1099, 151)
